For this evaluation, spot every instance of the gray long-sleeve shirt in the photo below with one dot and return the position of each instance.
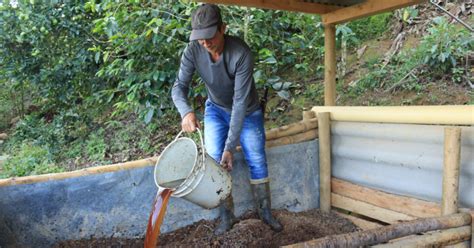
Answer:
(229, 82)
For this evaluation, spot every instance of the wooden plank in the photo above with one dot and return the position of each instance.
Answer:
(401, 204)
(359, 222)
(369, 210)
(288, 5)
(452, 158)
(367, 8)
(330, 65)
(324, 161)
(433, 239)
(386, 233)
(84, 172)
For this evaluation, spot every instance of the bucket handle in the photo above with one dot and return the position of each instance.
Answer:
(200, 139)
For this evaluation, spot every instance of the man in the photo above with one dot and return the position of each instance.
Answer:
(232, 111)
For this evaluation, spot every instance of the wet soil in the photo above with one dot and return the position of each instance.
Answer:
(248, 232)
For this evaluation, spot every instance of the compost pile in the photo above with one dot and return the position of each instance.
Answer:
(248, 232)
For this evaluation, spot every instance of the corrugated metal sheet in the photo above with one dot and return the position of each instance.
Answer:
(405, 159)
(336, 2)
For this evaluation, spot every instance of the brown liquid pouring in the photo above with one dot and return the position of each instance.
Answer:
(156, 218)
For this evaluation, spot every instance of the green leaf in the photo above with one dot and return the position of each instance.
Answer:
(270, 60)
(284, 94)
(106, 56)
(97, 57)
(149, 115)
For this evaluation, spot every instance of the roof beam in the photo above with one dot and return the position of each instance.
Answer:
(289, 5)
(367, 8)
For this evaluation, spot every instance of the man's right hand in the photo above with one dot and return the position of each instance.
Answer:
(190, 122)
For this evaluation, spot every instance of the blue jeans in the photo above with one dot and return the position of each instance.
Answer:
(252, 139)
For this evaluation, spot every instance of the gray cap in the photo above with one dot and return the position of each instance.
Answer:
(204, 22)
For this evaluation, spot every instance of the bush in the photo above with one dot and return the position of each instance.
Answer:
(370, 27)
(446, 45)
(29, 159)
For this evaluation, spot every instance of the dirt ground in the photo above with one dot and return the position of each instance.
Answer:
(248, 232)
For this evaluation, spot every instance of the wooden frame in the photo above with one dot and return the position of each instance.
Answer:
(368, 8)
(287, 5)
(387, 207)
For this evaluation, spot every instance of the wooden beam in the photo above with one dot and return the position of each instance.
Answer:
(369, 210)
(439, 114)
(433, 239)
(386, 233)
(330, 65)
(367, 8)
(324, 125)
(398, 203)
(288, 5)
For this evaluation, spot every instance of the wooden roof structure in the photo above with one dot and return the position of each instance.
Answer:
(333, 12)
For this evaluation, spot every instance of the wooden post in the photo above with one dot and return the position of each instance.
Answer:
(324, 125)
(330, 65)
(452, 153)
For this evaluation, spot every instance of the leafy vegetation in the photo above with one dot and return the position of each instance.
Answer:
(90, 80)
(441, 53)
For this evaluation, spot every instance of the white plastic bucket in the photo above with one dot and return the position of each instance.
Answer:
(192, 174)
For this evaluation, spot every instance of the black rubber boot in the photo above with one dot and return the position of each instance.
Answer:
(226, 211)
(261, 194)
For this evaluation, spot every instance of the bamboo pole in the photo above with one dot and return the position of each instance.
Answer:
(452, 156)
(449, 114)
(291, 129)
(330, 65)
(386, 233)
(297, 138)
(433, 239)
(83, 172)
(324, 124)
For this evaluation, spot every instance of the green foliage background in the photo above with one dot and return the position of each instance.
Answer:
(91, 80)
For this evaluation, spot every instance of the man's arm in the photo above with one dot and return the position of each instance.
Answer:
(180, 90)
(242, 89)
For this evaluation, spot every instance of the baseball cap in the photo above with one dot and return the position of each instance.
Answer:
(204, 22)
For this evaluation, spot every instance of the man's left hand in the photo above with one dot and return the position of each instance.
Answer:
(226, 161)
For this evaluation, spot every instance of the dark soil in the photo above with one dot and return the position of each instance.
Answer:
(248, 232)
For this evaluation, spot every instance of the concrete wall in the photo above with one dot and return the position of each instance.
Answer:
(118, 203)
(405, 159)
